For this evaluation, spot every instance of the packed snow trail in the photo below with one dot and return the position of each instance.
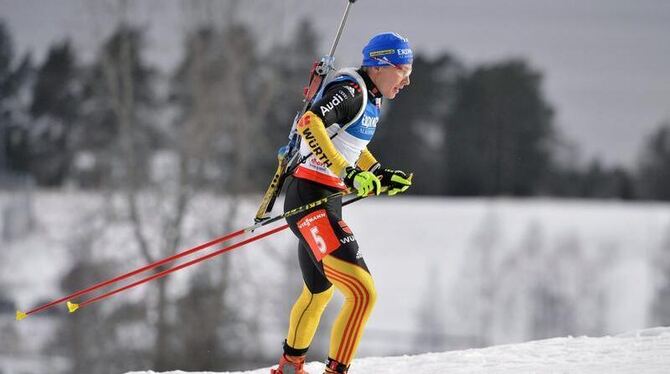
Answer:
(639, 352)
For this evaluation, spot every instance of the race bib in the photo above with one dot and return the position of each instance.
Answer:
(317, 231)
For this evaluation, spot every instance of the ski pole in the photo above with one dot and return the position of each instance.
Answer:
(21, 315)
(72, 307)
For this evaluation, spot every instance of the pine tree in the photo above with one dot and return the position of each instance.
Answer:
(14, 137)
(499, 133)
(119, 112)
(54, 112)
(654, 169)
(411, 133)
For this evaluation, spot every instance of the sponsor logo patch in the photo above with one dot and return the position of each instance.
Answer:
(344, 227)
(337, 99)
(318, 233)
(307, 221)
(316, 149)
(369, 121)
(303, 122)
(348, 239)
(382, 52)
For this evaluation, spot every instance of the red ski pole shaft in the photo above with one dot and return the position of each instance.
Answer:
(21, 315)
(73, 307)
(137, 271)
(163, 273)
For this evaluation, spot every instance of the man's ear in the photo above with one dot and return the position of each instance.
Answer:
(374, 69)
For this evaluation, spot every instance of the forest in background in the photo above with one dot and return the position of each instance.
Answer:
(153, 142)
(483, 130)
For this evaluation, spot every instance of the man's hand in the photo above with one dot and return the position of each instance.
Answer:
(363, 182)
(397, 181)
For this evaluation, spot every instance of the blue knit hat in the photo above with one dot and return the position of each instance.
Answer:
(387, 47)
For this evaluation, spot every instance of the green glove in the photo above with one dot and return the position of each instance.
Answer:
(363, 182)
(397, 181)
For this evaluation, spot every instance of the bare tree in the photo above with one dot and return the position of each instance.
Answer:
(155, 208)
(430, 335)
(475, 292)
(518, 279)
(219, 98)
(548, 290)
(659, 314)
(223, 97)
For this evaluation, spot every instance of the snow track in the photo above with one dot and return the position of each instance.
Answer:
(638, 352)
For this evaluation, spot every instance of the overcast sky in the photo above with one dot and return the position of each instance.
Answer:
(606, 63)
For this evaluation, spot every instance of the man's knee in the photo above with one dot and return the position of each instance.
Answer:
(321, 300)
(368, 297)
(373, 296)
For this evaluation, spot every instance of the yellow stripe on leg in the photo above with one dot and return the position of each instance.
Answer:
(305, 316)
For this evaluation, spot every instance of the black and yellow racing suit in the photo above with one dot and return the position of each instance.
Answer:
(328, 251)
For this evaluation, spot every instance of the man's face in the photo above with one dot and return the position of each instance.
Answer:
(391, 79)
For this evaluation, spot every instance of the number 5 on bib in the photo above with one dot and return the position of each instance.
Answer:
(317, 231)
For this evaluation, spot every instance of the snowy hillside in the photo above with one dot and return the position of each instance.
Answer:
(553, 268)
(644, 351)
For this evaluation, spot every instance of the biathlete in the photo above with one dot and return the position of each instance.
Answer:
(335, 133)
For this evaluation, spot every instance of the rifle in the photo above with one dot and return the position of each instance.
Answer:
(287, 155)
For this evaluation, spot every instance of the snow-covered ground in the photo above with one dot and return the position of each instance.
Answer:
(638, 352)
(597, 260)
